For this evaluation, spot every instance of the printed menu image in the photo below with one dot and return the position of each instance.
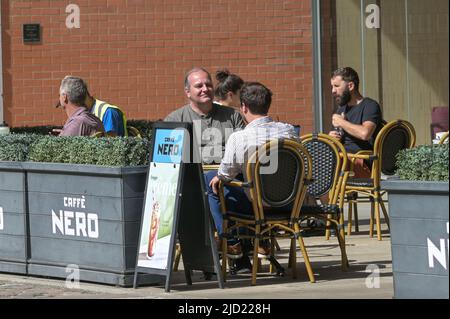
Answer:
(158, 216)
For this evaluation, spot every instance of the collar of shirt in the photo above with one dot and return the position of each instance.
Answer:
(77, 112)
(258, 122)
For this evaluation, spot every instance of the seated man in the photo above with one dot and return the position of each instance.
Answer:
(255, 103)
(212, 121)
(357, 120)
(80, 122)
(112, 117)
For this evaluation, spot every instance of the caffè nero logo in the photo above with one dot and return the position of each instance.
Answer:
(438, 252)
(73, 221)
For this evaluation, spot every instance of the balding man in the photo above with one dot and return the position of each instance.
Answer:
(212, 121)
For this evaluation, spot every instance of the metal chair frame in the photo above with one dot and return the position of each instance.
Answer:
(374, 191)
(262, 225)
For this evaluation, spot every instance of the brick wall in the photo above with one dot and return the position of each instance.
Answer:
(134, 53)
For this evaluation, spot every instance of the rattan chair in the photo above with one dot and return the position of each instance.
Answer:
(393, 137)
(329, 174)
(132, 131)
(444, 139)
(269, 192)
(98, 134)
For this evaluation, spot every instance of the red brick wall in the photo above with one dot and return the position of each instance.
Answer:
(134, 53)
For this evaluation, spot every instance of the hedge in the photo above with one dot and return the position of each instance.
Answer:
(105, 151)
(423, 163)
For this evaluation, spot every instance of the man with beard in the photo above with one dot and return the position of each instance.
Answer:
(357, 120)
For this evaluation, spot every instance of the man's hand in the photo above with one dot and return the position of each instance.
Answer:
(335, 134)
(337, 120)
(55, 131)
(214, 184)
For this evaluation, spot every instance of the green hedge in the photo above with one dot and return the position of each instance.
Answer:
(144, 126)
(41, 130)
(423, 163)
(14, 147)
(105, 151)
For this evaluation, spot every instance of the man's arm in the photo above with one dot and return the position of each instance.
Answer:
(362, 131)
(112, 121)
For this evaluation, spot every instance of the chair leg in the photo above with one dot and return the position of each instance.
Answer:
(272, 252)
(255, 257)
(377, 214)
(304, 253)
(372, 212)
(291, 249)
(341, 239)
(350, 216)
(294, 262)
(386, 216)
(355, 212)
(327, 228)
(224, 250)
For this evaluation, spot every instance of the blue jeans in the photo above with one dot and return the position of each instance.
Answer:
(235, 198)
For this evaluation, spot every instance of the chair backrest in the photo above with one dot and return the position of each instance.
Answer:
(98, 134)
(444, 138)
(329, 162)
(278, 170)
(132, 131)
(393, 137)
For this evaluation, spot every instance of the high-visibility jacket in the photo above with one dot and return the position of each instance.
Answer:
(99, 109)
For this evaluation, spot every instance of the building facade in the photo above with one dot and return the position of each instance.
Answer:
(134, 54)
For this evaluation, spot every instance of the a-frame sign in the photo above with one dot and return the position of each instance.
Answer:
(175, 208)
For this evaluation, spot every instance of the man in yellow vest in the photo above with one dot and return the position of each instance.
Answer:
(113, 118)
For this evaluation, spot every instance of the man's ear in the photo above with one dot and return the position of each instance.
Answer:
(66, 98)
(351, 85)
(187, 92)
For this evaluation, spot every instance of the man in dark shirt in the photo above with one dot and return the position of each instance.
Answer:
(213, 123)
(80, 122)
(357, 120)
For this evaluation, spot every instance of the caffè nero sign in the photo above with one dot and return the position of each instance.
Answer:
(74, 219)
(438, 251)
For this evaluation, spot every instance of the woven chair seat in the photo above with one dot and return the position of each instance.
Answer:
(319, 209)
(360, 182)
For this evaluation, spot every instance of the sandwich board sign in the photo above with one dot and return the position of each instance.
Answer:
(175, 208)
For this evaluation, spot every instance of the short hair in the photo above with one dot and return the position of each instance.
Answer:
(194, 70)
(227, 82)
(256, 97)
(348, 75)
(75, 89)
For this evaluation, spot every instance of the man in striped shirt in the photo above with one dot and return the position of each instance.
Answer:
(255, 104)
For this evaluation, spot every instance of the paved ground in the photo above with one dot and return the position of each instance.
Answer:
(369, 276)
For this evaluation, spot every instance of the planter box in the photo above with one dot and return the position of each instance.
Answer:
(13, 235)
(419, 237)
(85, 216)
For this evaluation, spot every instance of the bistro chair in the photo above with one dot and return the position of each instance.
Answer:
(393, 137)
(329, 174)
(444, 138)
(98, 134)
(269, 193)
(132, 131)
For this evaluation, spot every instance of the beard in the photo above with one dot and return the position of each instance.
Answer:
(344, 98)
